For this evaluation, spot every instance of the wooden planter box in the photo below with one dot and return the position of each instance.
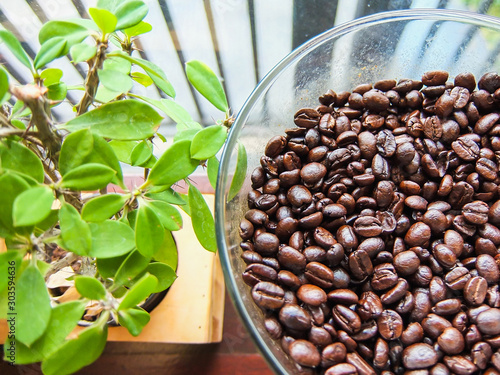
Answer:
(193, 309)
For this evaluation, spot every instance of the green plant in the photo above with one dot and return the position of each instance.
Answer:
(121, 243)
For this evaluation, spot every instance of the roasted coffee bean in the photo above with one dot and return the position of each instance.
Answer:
(342, 369)
(488, 321)
(475, 290)
(481, 353)
(459, 365)
(384, 276)
(346, 319)
(390, 325)
(369, 306)
(320, 275)
(487, 268)
(311, 294)
(305, 353)
(406, 263)
(343, 296)
(295, 317)
(412, 334)
(419, 356)
(451, 341)
(268, 295)
(360, 364)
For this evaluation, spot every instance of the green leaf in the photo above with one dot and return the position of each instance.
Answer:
(57, 91)
(73, 32)
(154, 71)
(164, 273)
(139, 292)
(187, 134)
(111, 238)
(213, 170)
(169, 196)
(207, 142)
(49, 222)
(115, 63)
(90, 288)
(109, 5)
(207, 84)
(133, 265)
(4, 82)
(142, 79)
(130, 13)
(77, 146)
(239, 173)
(108, 267)
(32, 306)
(77, 353)
(103, 207)
(18, 124)
(90, 176)
(115, 80)
(167, 252)
(16, 48)
(75, 232)
(12, 185)
(63, 320)
(32, 206)
(49, 51)
(123, 150)
(104, 19)
(141, 153)
(19, 158)
(82, 52)
(169, 216)
(173, 110)
(139, 29)
(173, 165)
(134, 320)
(51, 76)
(202, 219)
(148, 231)
(125, 120)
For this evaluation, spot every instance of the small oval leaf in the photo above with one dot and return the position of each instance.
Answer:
(91, 176)
(75, 232)
(32, 206)
(207, 142)
(173, 165)
(115, 80)
(130, 13)
(139, 292)
(149, 231)
(49, 51)
(82, 52)
(111, 238)
(134, 320)
(15, 47)
(90, 288)
(104, 19)
(103, 207)
(202, 219)
(207, 84)
(239, 173)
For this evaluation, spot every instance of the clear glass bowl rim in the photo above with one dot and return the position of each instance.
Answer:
(460, 16)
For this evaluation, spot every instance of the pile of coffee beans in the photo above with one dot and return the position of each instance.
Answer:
(372, 236)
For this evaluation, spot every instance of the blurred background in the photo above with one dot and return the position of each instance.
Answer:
(241, 40)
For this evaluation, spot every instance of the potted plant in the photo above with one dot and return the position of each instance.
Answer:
(107, 249)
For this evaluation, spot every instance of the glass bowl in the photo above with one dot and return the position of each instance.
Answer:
(388, 45)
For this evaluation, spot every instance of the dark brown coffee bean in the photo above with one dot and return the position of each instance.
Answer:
(346, 319)
(459, 365)
(487, 268)
(390, 325)
(419, 356)
(295, 317)
(451, 341)
(275, 145)
(268, 295)
(273, 327)
(332, 354)
(370, 306)
(457, 278)
(418, 234)
(305, 353)
(436, 77)
(291, 259)
(488, 322)
(384, 276)
(412, 334)
(489, 82)
(346, 237)
(319, 274)
(394, 294)
(343, 296)
(311, 295)
(406, 263)
(362, 367)
(306, 118)
(475, 290)
(481, 353)
(466, 149)
(342, 369)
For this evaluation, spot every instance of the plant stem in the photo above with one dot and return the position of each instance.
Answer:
(92, 80)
